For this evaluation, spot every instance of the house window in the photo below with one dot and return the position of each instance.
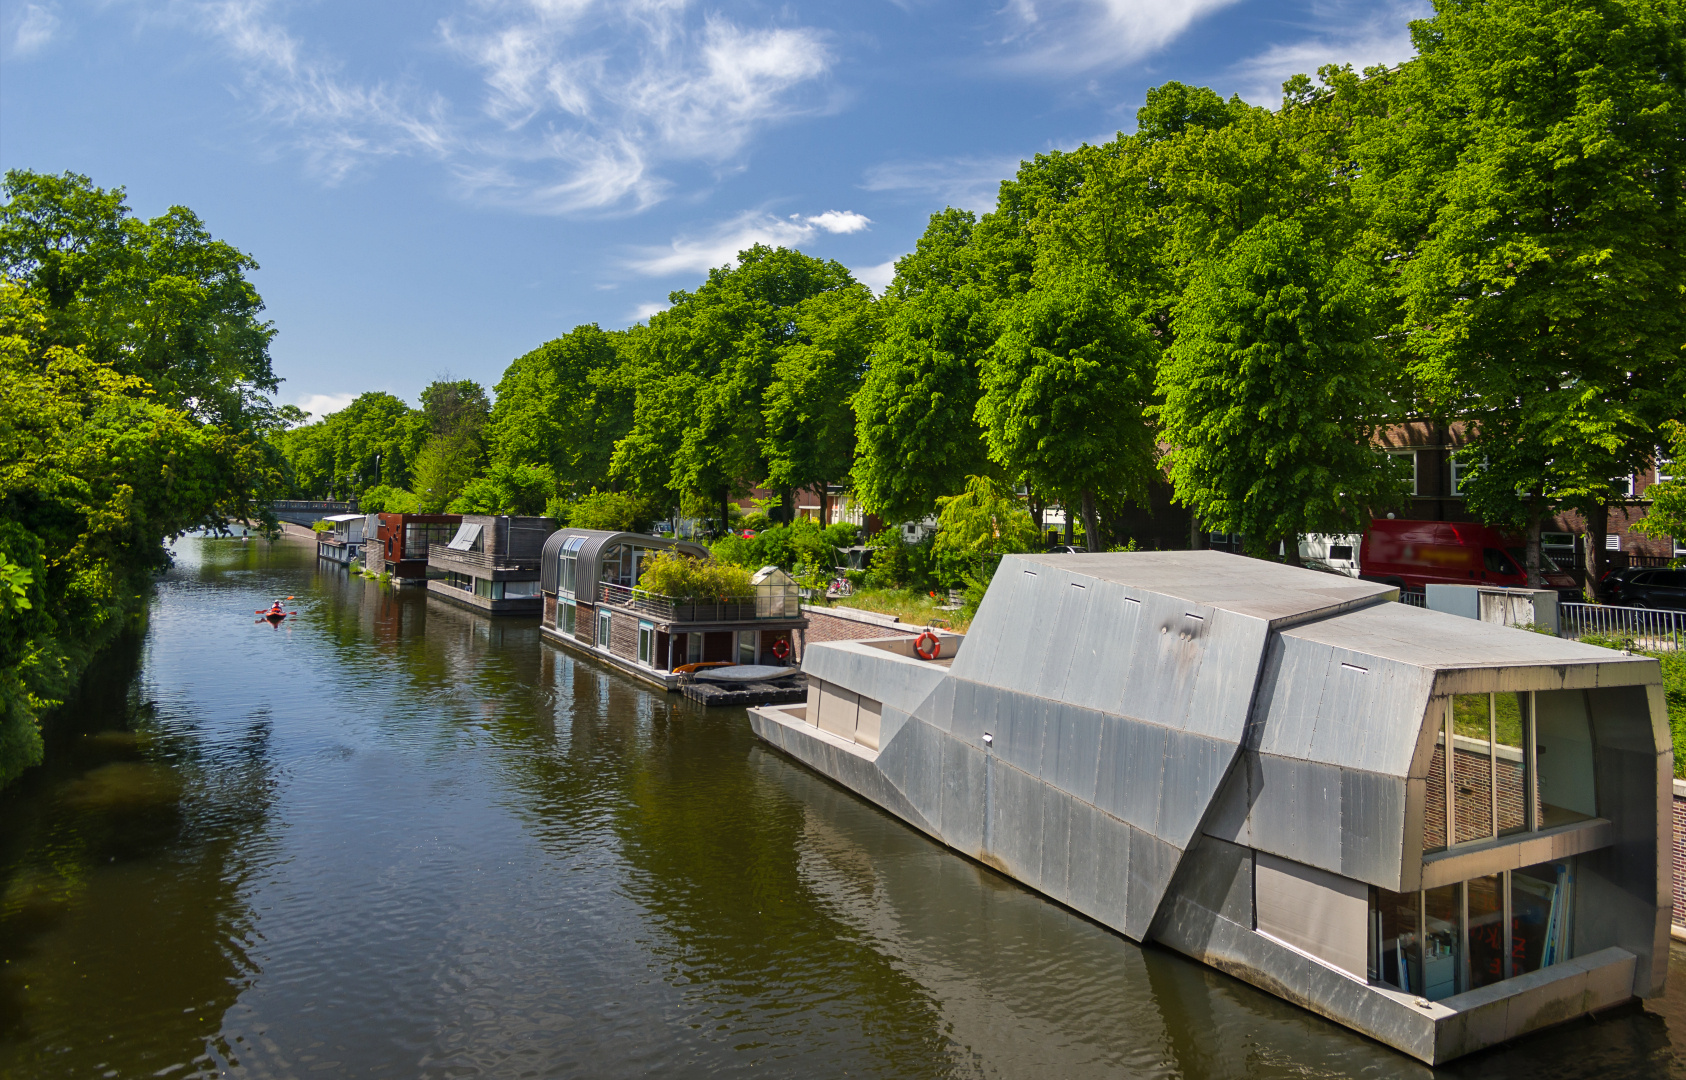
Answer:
(602, 629)
(1459, 470)
(693, 648)
(646, 642)
(1403, 463)
(513, 590)
(746, 646)
(567, 616)
(459, 581)
(489, 590)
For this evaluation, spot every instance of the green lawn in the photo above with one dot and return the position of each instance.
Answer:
(914, 608)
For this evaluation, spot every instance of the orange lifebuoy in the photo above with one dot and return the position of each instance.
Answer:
(936, 646)
(781, 648)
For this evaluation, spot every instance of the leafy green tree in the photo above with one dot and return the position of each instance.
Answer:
(95, 474)
(1066, 388)
(614, 511)
(916, 431)
(1273, 389)
(385, 499)
(443, 469)
(159, 300)
(563, 406)
(371, 442)
(1529, 185)
(507, 489)
(809, 432)
(1667, 515)
(975, 528)
(701, 370)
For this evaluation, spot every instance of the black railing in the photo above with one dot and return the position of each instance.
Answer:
(683, 609)
(479, 558)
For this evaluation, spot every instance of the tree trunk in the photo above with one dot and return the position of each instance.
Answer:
(1291, 549)
(1069, 531)
(1091, 535)
(724, 520)
(825, 504)
(1597, 525)
(1194, 539)
(1536, 508)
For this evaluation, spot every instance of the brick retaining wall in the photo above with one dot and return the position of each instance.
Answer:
(850, 624)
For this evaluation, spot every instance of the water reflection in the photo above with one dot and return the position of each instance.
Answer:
(398, 836)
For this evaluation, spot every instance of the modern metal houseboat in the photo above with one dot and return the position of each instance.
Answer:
(1439, 832)
(593, 605)
(491, 563)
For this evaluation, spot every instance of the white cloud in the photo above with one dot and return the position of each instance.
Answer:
(642, 312)
(844, 221)
(968, 183)
(36, 29)
(719, 246)
(1058, 37)
(579, 105)
(877, 278)
(1351, 33)
(320, 405)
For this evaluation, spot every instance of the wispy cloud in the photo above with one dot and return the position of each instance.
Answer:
(38, 26)
(719, 246)
(320, 405)
(642, 312)
(580, 103)
(1360, 34)
(1061, 36)
(966, 182)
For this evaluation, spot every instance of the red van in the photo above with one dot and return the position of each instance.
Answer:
(1412, 554)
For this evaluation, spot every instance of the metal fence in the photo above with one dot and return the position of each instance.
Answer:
(1640, 628)
(1415, 599)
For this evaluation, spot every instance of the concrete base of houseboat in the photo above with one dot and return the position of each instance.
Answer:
(525, 605)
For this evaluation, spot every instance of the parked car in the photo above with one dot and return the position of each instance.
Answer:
(1415, 554)
(1647, 587)
(1065, 549)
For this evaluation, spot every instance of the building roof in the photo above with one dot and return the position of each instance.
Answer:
(589, 545)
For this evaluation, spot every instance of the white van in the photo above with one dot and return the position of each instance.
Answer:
(1337, 551)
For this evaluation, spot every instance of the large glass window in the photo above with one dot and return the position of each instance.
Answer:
(1564, 756)
(693, 648)
(567, 614)
(1466, 935)
(646, 643)
(603, 629)
(1490, 788)
(746, 646)
(515, 589)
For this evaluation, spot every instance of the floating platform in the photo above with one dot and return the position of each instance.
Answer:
(787, 691)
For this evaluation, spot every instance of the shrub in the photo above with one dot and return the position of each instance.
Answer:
(506, 489)
(685, 577)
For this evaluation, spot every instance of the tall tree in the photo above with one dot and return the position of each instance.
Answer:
(1273, 388)
(1531, 185)
(563, 406)
(702, 368)
(160, 300)
(1066, 387)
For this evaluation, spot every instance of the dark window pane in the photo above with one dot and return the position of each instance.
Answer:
(1395, 958)
(1539, 909)
(1441, 953)
(1487, 937)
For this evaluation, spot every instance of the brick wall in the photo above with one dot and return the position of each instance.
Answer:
(550, 609)
(843, 624)
(1679, 852)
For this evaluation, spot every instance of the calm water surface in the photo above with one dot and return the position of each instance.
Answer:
(394, 838)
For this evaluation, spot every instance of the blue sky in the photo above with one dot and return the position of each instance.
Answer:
(437, 187)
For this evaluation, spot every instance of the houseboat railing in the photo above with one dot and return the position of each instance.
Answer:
(1645, 628)
(481, 559)
(774, 604)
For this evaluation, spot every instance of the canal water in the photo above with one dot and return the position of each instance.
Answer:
(394, 838)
